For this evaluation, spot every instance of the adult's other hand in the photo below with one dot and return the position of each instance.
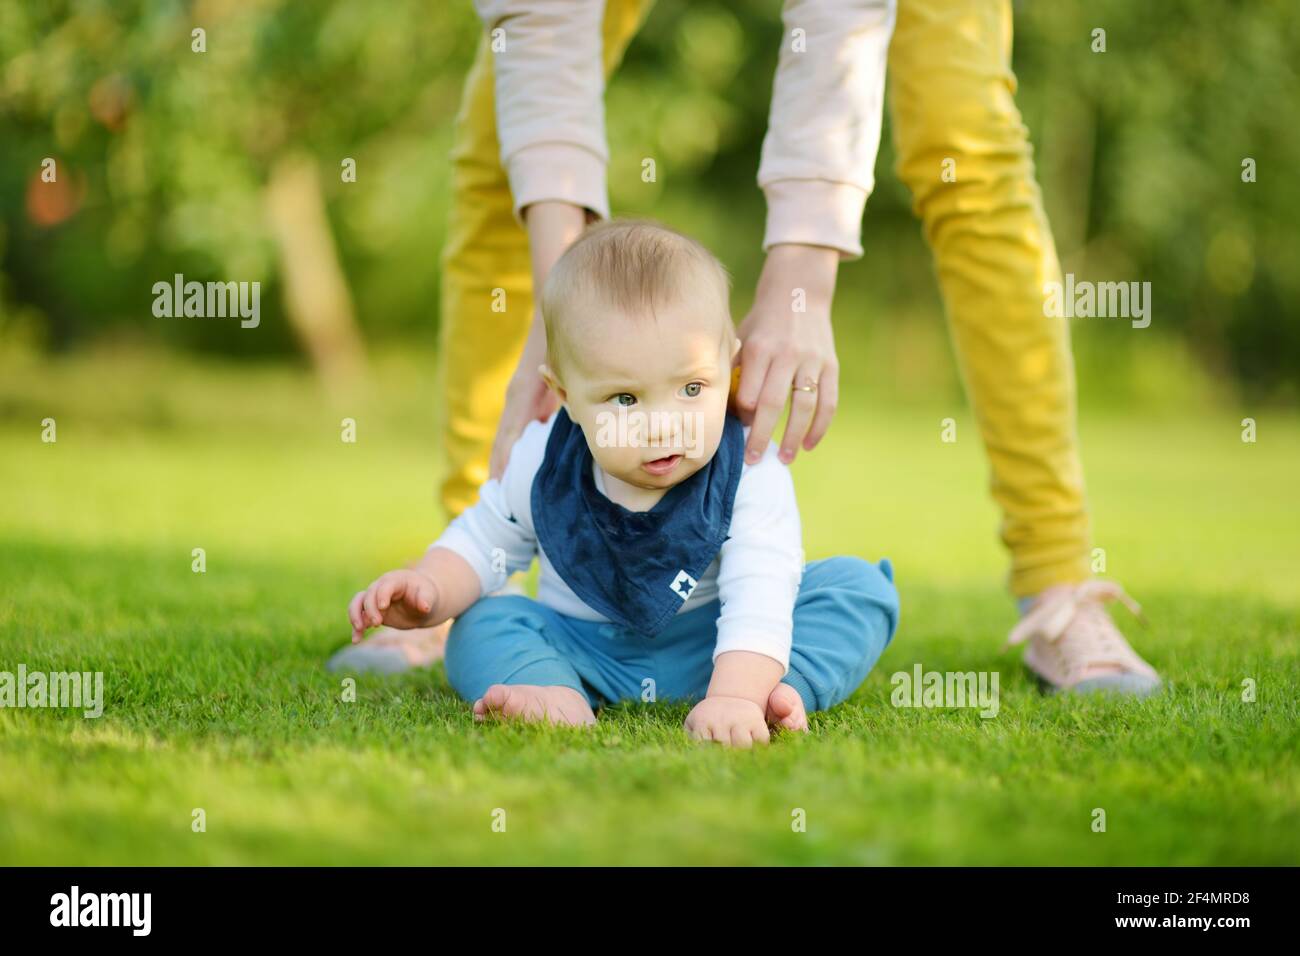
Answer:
(788, 350)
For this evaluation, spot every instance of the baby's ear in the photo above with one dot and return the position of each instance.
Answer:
(552, 382)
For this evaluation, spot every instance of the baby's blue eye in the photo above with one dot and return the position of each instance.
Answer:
(693, 389)
(619, 399)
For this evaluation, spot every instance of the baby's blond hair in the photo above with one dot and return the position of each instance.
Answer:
(633, 266)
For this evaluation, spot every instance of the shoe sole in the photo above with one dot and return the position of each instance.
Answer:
(1121, 685)
(370, 660)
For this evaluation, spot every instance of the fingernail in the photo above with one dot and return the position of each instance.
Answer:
(751, 456)
(787, 456)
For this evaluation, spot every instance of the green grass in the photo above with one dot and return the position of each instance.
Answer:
(216, 698)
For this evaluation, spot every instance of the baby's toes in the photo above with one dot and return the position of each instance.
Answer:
(495, 701)
(785, 708)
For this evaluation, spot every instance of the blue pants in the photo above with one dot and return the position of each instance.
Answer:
(845, 616)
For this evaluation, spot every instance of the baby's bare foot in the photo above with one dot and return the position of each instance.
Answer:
(785, 708)
(559, 705)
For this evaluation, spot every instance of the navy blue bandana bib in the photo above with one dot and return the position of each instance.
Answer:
(636, 568)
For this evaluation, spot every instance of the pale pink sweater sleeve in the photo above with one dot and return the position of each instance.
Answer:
(823, 132)
(819, 155)
(549, 91)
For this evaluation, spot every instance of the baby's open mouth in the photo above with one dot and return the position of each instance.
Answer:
(661, 466)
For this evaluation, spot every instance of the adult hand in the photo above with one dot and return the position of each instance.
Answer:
(787, 344)
(527, 399)
(552, 227)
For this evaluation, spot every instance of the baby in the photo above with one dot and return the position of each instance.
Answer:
(670, 568)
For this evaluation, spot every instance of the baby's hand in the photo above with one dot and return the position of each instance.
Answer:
(402, 599)
(730, 721)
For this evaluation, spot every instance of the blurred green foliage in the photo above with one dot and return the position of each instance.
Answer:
(164, 153)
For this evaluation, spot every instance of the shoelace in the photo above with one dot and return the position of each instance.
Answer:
(1095, 638)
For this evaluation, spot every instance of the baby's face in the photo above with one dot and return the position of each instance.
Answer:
(649, 392)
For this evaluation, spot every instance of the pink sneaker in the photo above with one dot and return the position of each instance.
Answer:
(1075, 646)
(390, 650)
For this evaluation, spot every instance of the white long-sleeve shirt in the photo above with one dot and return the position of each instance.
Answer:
(819, 155)
(756, 574)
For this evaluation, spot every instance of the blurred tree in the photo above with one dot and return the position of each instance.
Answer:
(169, 155)
(317, 299)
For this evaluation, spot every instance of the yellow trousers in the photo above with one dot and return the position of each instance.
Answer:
(964, 154)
